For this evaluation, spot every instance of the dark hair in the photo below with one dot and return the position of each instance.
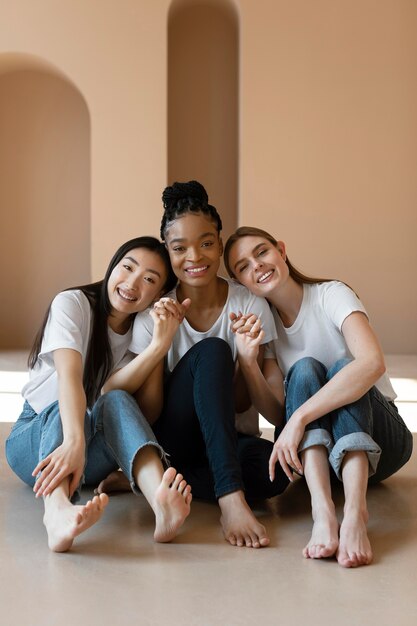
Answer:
(182, 198)
(99, 360)
(251, 231)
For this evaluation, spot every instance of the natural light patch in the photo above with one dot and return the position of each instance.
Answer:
(12, 382)
(10, 406)
(405, 388)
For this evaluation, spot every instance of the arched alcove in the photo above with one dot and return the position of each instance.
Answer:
(44, 194)
(203, 115)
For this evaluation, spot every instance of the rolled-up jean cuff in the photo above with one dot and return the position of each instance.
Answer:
(316, 437)
(229, 488)
(355, 442)
(162, 454)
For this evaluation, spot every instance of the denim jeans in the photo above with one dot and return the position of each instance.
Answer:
(371, 424)
(197, 428)
(115, 430)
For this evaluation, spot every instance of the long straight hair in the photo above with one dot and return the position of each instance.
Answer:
(251, 231)
(99, 360)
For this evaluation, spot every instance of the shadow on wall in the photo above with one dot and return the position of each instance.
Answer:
(203, 109)
(44, 193)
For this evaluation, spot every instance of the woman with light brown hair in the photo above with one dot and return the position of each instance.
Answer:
(340, 416)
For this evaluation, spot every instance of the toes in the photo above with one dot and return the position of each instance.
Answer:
(232, 539)
(169, 476)
(182, 486)
(178, 479)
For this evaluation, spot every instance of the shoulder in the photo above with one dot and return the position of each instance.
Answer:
(72, 299)
(336, 299)
(71, 305)
(242, 295)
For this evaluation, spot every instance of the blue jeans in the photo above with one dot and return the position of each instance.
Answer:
(115, 430)
(197, 428)
(371, 424)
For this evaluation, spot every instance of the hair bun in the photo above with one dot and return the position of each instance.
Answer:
(178, 194)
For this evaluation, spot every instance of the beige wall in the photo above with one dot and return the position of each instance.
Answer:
(329, 145)
(328, 130)
(44, 198)
(203, 109)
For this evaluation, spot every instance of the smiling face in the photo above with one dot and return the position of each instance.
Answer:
(195, 249)
(258, 264)
(135, 282)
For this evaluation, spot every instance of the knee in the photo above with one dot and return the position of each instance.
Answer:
(213, 348)
(306, 369)
(114, 399)
(336, 367)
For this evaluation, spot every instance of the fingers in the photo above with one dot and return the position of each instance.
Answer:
(271, 465)
(176, 309)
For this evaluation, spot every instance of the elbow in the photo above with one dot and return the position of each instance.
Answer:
(377, 367)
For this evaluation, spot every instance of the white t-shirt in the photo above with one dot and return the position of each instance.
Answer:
(238, 299)
(68, 326)
(317, 331)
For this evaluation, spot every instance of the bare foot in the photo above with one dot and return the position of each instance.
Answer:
(116, 481)
(240, 526)
(324, 537)
(354, 546)
(65, 521)
(172, 505)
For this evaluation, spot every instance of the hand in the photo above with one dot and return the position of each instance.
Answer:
(247, 344)
(66, 460)
(285, 449)
(164, 328)
(175, 308)
(248, 335)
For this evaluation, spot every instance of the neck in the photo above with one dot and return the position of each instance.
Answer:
(287, 300)
(205, 297)
(119, 324)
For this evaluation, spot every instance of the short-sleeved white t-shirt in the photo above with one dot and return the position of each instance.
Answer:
(238, 299)
(317, 331)
(68, 326)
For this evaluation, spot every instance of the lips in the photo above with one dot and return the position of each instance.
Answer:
(196, 271)
(264, 277)
(125, 295)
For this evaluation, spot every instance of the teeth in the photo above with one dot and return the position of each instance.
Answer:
(196, 270)
(264, 276)
(126, 296)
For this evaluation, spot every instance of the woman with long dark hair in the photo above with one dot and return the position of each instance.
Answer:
(71, 433)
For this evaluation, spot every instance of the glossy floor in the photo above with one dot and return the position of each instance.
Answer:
(116, 575)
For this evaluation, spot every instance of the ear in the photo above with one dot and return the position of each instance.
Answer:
(221, 248)
(282, 249)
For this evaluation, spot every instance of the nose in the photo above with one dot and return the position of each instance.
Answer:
(194, 254)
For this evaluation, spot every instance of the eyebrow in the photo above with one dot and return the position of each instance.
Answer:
(130, 258)
(181, 239)
(253, 251)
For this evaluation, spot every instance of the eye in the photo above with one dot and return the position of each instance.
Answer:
(242, 268)
(127, 267)
(262, 251)
(206, 244)
(178, 249)
(149, 279)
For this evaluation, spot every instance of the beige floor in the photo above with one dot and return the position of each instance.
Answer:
(117, 575)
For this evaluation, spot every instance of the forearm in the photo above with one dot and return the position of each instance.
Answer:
(150, 397)
(72, 408)
(350, 384)
(267, 398)
(131, 377)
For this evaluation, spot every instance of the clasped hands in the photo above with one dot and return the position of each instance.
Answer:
(249, 334)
